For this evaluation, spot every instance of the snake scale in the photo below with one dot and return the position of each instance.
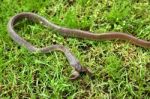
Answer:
(74, 62)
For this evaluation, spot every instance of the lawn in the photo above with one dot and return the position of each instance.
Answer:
(120, 70)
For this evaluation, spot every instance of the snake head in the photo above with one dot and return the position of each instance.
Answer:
(74, 75)
(76, 72)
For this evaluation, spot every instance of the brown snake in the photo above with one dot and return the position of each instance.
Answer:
(67, 32)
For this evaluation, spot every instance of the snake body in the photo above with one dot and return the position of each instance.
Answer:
(67, 32)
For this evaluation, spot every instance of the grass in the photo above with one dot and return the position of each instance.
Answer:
(121, 70)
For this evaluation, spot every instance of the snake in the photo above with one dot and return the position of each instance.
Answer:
(67, 32)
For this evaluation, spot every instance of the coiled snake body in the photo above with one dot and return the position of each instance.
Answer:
(67, 32)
